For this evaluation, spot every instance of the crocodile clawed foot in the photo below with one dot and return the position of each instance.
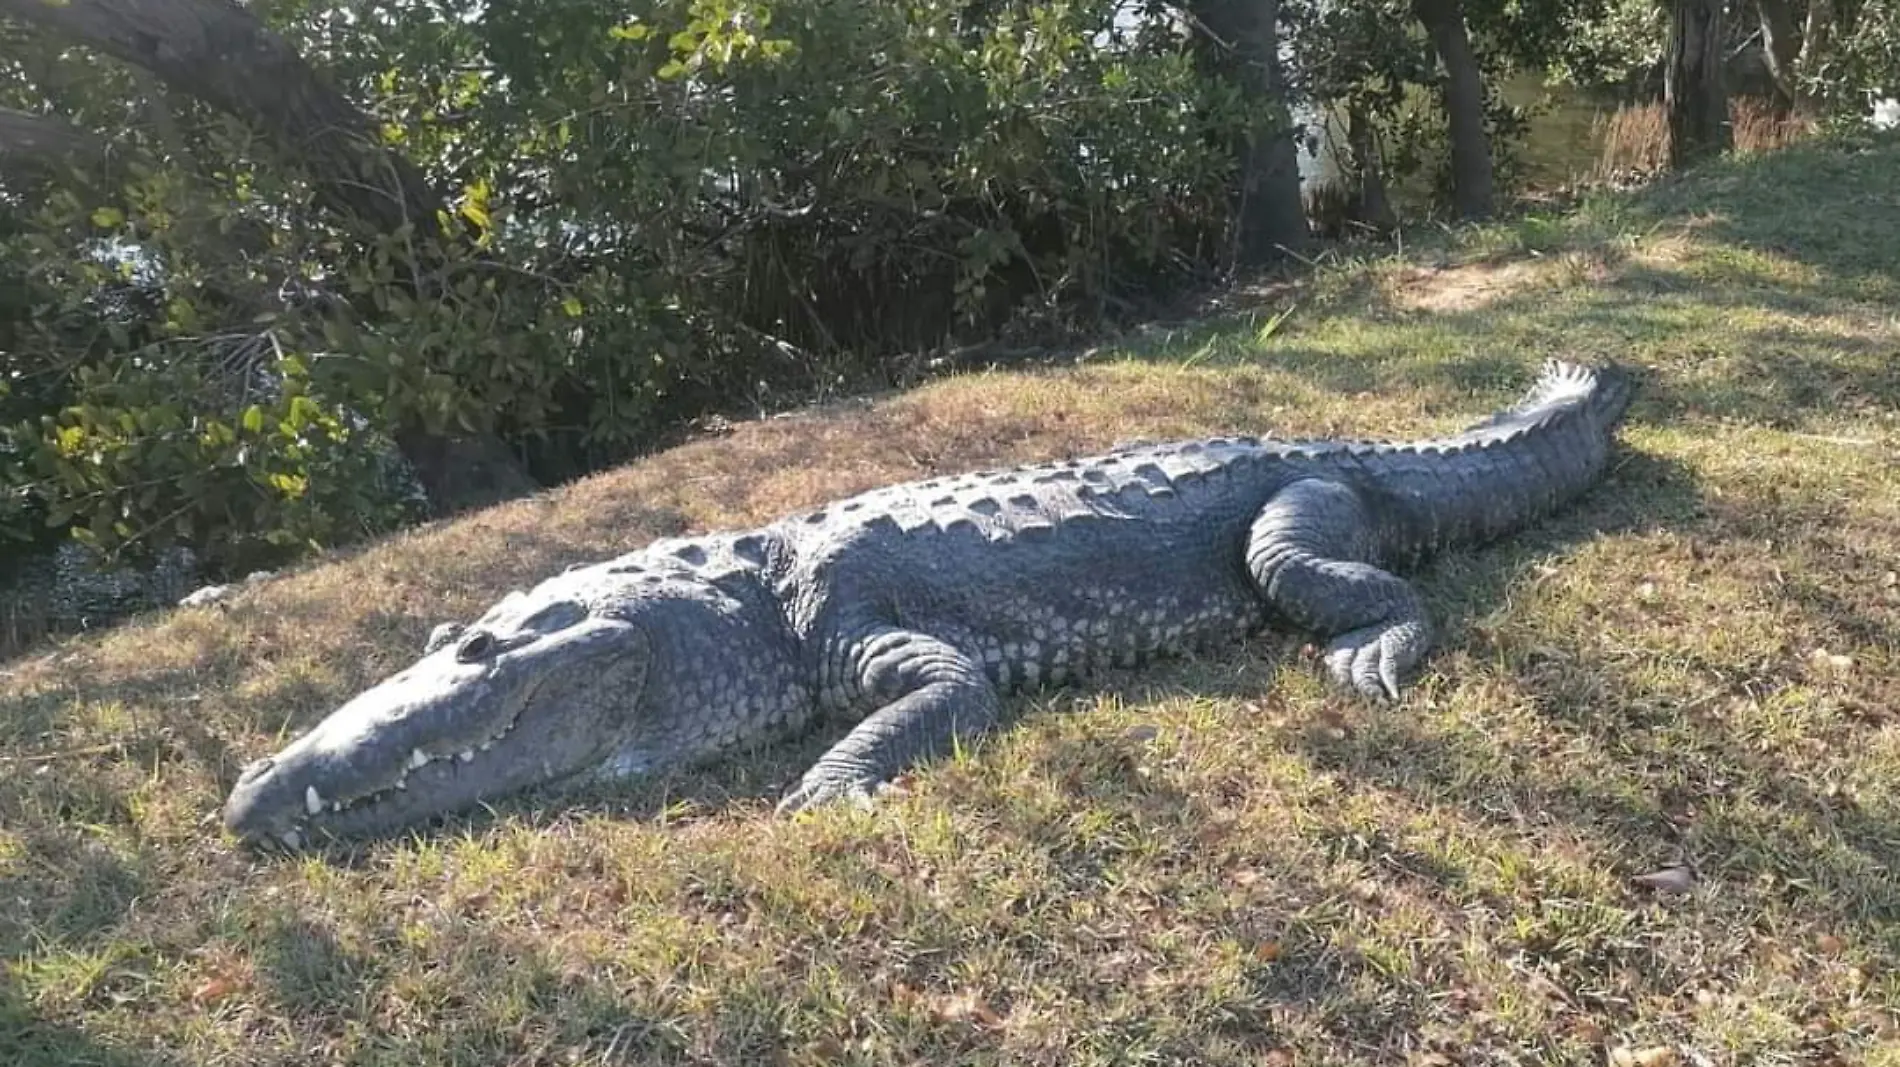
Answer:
(819, 788)
(1377, 661)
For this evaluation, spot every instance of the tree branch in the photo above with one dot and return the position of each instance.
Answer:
(39, 142)
(221, 54)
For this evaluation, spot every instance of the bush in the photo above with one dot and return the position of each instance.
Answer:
(656, 209)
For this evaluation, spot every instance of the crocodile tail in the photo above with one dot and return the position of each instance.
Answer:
(1511, 468)
(1601, 394)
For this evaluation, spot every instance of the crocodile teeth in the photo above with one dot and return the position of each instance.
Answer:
(465, 755)
(312, 801)
(418, 759)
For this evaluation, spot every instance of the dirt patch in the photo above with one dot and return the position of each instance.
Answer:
(1465, 287)
(1472, 286)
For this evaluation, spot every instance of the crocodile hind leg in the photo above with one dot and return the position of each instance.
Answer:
(1311, 551)
(929, 696)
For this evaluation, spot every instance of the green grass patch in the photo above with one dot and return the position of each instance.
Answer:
(1215, 861)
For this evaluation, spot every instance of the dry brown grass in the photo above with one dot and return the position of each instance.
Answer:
(1635, 137)
(1216, 861)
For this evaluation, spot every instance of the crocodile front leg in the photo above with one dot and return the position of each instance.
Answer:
(1310, 552)
(929, 696)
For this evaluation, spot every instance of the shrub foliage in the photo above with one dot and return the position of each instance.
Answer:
(656, 208)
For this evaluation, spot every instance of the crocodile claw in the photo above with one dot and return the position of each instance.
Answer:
(1376, 661)
(821, 786)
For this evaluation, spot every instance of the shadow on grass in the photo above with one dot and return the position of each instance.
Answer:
(26, 1040)
(311, 974)
(1669, 802)
(93, 888)
(1117, 823)
(1767, 203)
(1769, 826)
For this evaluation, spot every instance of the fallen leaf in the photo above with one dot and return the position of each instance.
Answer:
(1833, 661)
(1654, 1056)
(213, 990)
(1677, 879)
(1548, 988)
(1279, 1057)
(1829, 944)
(1267, 951)
(964, 1008)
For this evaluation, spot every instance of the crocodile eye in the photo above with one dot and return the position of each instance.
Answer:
(476, 646)
(440, 637)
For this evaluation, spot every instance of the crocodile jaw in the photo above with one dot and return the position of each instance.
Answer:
(443, 736)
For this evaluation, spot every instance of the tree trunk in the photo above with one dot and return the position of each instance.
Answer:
(221, 54)
(1781, 48)
(1374, 209)
(1817, 41)
(1693, 90)
(1243, 36)
(1444, 22)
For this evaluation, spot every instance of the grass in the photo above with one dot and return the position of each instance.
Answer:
(1213, 861)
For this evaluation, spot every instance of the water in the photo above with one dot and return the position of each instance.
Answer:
(1565, 138)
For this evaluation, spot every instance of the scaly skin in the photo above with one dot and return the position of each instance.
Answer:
(912, 610)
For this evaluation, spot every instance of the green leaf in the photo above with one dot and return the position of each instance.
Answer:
(475, 204)
(108, 218)
(254, 419)
(291, 485)
(303, 414)
(572, 305)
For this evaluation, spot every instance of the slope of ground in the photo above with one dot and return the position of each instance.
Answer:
(1645, 804)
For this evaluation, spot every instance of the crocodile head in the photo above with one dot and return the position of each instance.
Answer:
(547, 684)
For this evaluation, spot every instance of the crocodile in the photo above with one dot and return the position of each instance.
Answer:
(909, 612)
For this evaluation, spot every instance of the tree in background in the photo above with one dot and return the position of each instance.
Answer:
(1781, 48)
(1695, 93)
(1462, 93)
(260, 241)
(1243, 37)
(220, 55)
(1375, 61)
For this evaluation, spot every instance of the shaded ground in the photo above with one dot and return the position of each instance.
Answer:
(1216, 861)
